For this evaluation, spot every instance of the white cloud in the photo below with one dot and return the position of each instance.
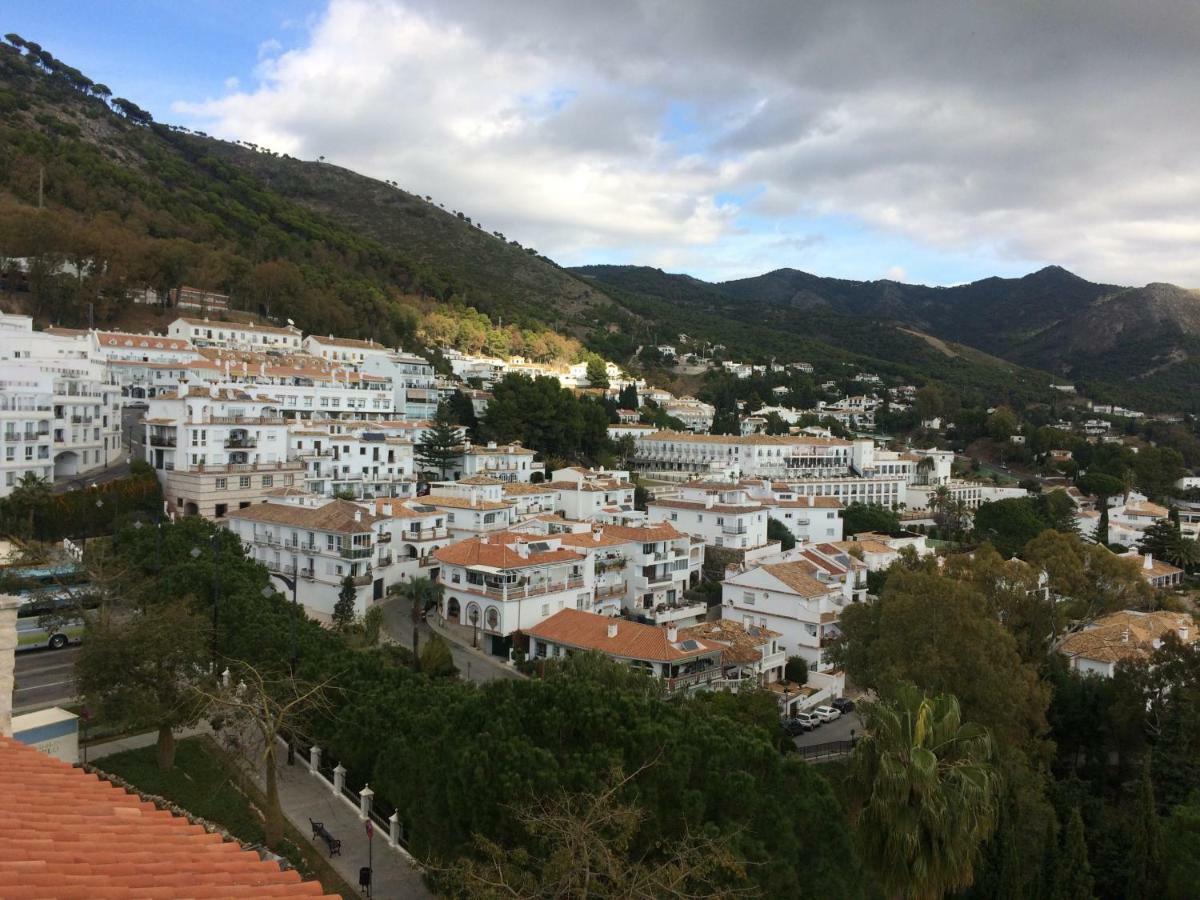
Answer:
(232, 83)
(896, 273)
(1057, 133)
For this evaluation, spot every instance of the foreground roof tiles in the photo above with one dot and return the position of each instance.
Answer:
(68, 834)
(631, 640)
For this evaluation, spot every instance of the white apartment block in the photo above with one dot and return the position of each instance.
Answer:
(413, 380)
(235, 335)
(721, 514)
(473, 507)
(796, 598)
(696, 415)
(530, 499)
(500, 584)
(677, 455)
(216, 450)
(810, 518)
(146, 364)
(589, 495)
(319, 547)
(352, 457)
(414, 530)
(345, 351)
(504, 462)
(59, 409)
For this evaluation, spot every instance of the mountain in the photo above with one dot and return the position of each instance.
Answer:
(1137, 344)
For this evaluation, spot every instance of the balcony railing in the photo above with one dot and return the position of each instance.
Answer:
(515, 591)
(363, 580)
(281, 568)
(732, 528)
(355, 552)
(424, 534)
(241, 443)
(612, 590)
(692, 679)
(162, 440)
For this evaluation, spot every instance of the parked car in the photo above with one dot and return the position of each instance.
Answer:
(826, 713)
(842, 705)
(800, 723)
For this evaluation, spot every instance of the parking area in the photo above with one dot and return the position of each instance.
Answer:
(837, 730)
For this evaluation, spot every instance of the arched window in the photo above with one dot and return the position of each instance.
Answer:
(492, 618)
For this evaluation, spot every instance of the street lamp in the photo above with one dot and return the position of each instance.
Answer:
(195, 554)
(268, 593)
(474, 617)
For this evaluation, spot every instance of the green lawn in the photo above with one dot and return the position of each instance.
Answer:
(203, 783)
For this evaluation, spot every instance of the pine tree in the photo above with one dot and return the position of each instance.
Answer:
(344, 609)
(1074, 871)
(1145, 844)
(440, 446)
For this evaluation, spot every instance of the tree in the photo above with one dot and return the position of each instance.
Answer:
(461, 411)
(587, 845)
(1164, 540)
(27, 498)
(1181, 845)
(1144, 847)
(628, 398)
(1156, 469)
(929, 403)
(258, 707)
(1008, 524)
(597, 372)
(860, 517)
(346, 607)
(440, 445)
(138, 671)
(1074, 875)
(929, 793)
(423, 595)
(436, 659)
(777, 531)
(1001, 424)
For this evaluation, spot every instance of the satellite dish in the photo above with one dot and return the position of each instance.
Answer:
(290, 322)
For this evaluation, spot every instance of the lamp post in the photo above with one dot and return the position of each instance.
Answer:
(195, 554)
(267, 592)
(474, 617)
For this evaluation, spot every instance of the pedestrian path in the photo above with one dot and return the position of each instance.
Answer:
(304, 796)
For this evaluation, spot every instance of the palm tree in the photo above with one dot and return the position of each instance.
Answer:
(28, 496)
(929, 792)
(924, 467)
(423, 594)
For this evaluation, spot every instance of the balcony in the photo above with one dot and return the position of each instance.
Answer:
(608, 564)
(309, 573)
(355, 552)
(241, 443)
(517, 592)
(692, 679)
(162, 440)
(734, 528)
(611, 590)
(282, 568)
(363, 580)
(423, 534)
(385, 559)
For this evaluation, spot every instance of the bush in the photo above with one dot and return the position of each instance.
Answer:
(796, 669)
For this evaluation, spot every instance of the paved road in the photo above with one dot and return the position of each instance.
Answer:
(132, 430)
(44, 678)
(837, 730)
(397, 622)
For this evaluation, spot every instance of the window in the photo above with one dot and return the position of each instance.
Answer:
(221, 484)
(748, 597)
(545, 610)
(674, 517)
(268, 480)
(244, 481)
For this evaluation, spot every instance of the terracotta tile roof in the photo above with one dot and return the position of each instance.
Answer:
(336, 515)
(141, 341)
(510, 449)
(585, 539)
(288, 491)
(479, 479)
(741, 644)
(817, 503)
(239, 326)
(599, 486)
(799, 576)
(346, 342)
(700, 505)
(497, 555)
(455, 502)
(633, 640)
(522, 489)
(1126, 635)
(1147, 509)
(68, 834)
(663, 531)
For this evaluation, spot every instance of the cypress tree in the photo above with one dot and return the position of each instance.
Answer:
(1074, 873)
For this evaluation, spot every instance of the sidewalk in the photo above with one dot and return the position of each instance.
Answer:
(305, 796)
(460, 638)
(135, 742)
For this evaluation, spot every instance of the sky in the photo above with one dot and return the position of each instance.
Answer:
(933, 142)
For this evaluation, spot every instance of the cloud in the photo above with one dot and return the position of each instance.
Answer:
(1015, 134)
(232, 83)
(896, 273)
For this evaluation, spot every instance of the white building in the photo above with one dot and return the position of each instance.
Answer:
(722, 514)
(797, 598)
(505, 462)
(589, 495)
(351, 457)
(682, 456)
(235, 335)
(319, 546)
(1124, 636)
(696, 415)
(59, 408)
(413, 380)
(683, 664)
(346, 351)
(473, 507)
(500, 584)
(216, 450)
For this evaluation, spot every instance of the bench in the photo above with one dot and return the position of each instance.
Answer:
(320, 831)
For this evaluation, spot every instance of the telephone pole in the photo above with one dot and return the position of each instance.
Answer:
(41, 184)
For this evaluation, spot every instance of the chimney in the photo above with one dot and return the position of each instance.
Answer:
(672, 634)
(522, 550)
(358, 515)
(483, 539)
(1148, 562)
(8, 649)
(596, 536)
(387, 509)
(612, 629)
(1125, 636)
(811, 500)
(709, 499)
(474, 497)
